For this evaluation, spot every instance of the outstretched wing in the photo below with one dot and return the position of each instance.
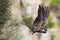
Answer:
(41, 19)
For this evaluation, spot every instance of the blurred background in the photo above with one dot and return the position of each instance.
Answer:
(13, 14)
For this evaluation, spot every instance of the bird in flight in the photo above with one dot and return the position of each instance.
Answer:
(40, 21)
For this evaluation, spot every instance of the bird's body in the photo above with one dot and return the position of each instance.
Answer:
(41, 19)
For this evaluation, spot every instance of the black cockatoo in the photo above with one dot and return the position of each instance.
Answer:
(40, 21)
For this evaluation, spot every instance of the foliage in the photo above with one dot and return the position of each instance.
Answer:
(55, 4)
(52, 37)
(59, 23)
(4, 11)
(18, 37)
(15, 22)
(28, 20)
(50, 24)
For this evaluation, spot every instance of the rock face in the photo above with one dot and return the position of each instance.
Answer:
(14, 29)
(31, 7)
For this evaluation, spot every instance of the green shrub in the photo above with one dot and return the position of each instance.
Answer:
(4, 11)
(27, 20)
(50, 24)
